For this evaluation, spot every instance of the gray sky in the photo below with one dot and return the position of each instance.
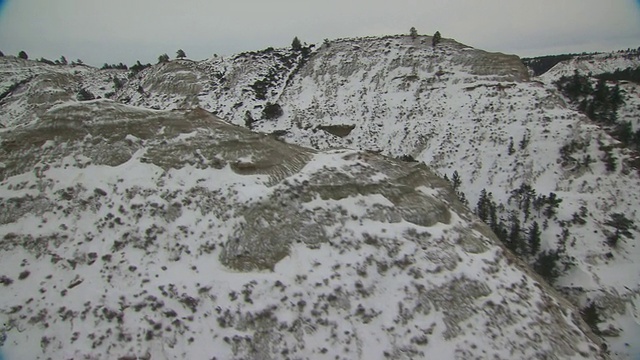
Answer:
(126, 30)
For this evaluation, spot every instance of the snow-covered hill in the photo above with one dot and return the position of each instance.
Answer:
(457, 109)
(170, 234)
(498, 132)
(461, 110)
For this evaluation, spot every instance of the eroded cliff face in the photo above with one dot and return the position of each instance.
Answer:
(173, 234)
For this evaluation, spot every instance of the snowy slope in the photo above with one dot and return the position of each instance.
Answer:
(593, 65)
(458, 109)
(173, 235)
(459, 120)
(452, 107)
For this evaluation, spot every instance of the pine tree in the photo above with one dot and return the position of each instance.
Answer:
(296, 44)
(84, 95)
(562, 243)
(622, 225)
(624, 132)
(586, 161)
(45, 61)
(63, 60)
(526, 202)
(436, 39)
(455, 180)
(552, 205)
(138, 66)
(413, 32)
(493, 217)
(180, 54)
(591, 315)
(514, 242)
(534, 238)
(539, 202)
(502, 233)
(163, 58)
(271, 111)
(117, 83)
(616, 98)
(1, 54)
(524, 142)
(248, 120)
(511, 150)
(601, 105)
(601, 94)
(463, 198)
(483, 207)
(23, 55)
(524, 196)
(575, 87)
(546, 265)
(610, 161)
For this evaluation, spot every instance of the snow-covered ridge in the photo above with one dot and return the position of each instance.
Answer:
(594, 64)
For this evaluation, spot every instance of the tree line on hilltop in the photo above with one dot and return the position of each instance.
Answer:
(138, 66)
(541, 64)
(296, 45)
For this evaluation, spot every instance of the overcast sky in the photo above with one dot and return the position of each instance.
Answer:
(126, 30)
